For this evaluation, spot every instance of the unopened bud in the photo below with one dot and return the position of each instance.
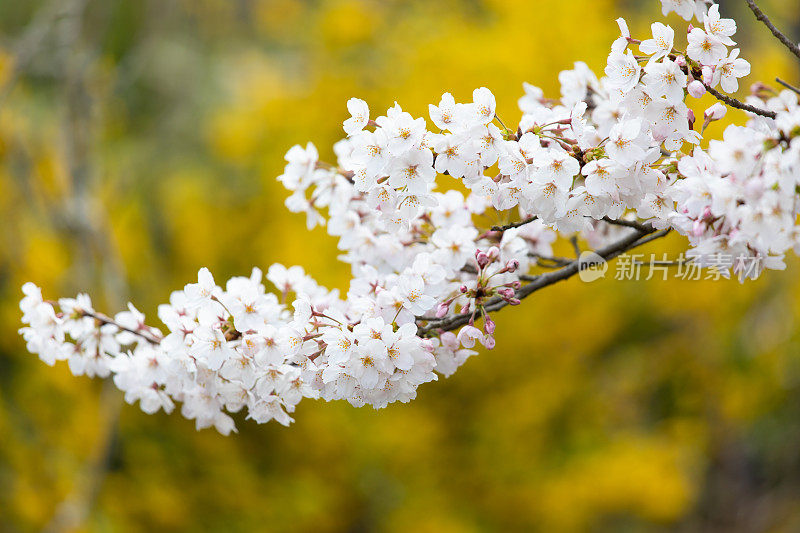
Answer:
(482, 258)
(512, 265)
(489, 342)
(716, 112)
(708, 74)
(761, 89)
(488, 325)
(442, 310)
(696, 89)
(463, 289)
(506, 292)
(493, 253)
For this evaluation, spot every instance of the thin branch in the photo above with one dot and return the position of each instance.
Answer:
(654, 236)
(105, 319)
(788, 86)
(733, 102)
(501, 122)
(627, 223)
(561, 261)
(551, 266)
(514, 224)
(575, 248)
(793, 47)
(633, 240)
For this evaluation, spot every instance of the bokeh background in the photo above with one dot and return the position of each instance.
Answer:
(140, 140)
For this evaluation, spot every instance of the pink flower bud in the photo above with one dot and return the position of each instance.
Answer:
(464, 310)
(513, 301)
(463, 289)
(506, 292)
(696, 89)
(716, 112)
(442, 310)
(692, 119)
(708, 74)
(493, 253)
(512, 265)
(488, 325)
(489, 342)
(482, 259)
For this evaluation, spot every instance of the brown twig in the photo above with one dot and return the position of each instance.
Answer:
(514, 224)
(738, 104)
(559, 261)
(105, 319)
(793, 47)
(575, 247)
(788, 86)
(626, 223)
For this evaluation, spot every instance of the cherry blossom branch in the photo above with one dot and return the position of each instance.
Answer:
(380, 199)
(575, 247)
(650, 238)
(558, 261)
(793, 47)
(635, 239)
(733, 102)
(514, 224)
(627, 223)
(788, 85)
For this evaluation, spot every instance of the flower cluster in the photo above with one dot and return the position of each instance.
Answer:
(617, 161)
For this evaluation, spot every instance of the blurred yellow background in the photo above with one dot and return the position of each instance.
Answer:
(140, 140)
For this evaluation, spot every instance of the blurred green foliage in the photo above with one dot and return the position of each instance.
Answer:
(615, 406)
